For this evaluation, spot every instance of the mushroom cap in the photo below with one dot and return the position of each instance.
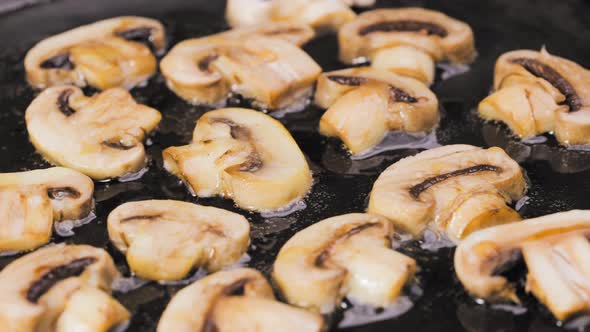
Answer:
(31, 201)
(482, 253)
(459, 188)
(365, 103)
(165, 239)
(244, 155)
(537, 92)
(100, 136)
(235, 300)
(320, 14)
(254, 62)
(104, 54)
(348, 255)
(435, 33)
(36, 288)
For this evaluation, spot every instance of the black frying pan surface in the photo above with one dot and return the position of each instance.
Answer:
(559, 178)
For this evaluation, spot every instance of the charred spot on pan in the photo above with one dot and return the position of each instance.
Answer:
(141, 217)
(323, 256)
(55, 275)
(347, 80)
(405, 26)
(416, 190)
(141, 35)
(204, 63)
(544, 71)
(400, 95)
(59, 61)
(61, 193)
(63, 103)
(117, 145)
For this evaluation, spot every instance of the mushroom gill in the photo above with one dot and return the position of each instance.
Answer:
(244, 155)
(344, 256)
(456, 189)
(100, 136)
(116, 52)
(536, 93)
(164, 239)
(556, 252)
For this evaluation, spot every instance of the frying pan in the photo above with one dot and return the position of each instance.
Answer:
(559, 178)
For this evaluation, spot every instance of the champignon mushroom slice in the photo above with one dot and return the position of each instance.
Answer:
(100, 136)
(319, 14)
(456, 189)
(235, 300)
(164, 240)
(244, 155)
(344, 256)
(406, 41)
(269, 70)
(38, 287)
(31, 201)
(364, 104)
(555, 249)
(537, 92)
(359, 3)
(116, 52)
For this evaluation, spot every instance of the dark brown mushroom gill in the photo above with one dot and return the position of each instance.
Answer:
(55, 275)
(546, 72)
(405, 26)
(238, 288)
(142, 35)
(58, 61)
(340, 236)
(63, 103)
(397, 94)
(253, 161)
(419, 188)
(62, 193)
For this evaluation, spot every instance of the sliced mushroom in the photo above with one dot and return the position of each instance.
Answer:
(406, 41)
(100, 136)
(456, 188)
(31, 201)
(116, 52)
(164, 240)
(253, 62)
(364, 104)
(348, 255)
(60, 288)
(319, 14)
(244, 155)
(537, 92)
(236, 300)
(360, 3)
(555, 249)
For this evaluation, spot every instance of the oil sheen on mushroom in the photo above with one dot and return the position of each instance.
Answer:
(555, 250)
(60, 288)
(116, 52)
(244, 155)
(455, 189)
(231, 301)
(100, 136)
(364, 104)
(345, 256)
(260, 63)
(30, 202)
(406, 41)
(537, 93)
(165, 239)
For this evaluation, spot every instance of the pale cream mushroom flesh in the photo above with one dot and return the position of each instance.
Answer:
(406, 41)
(244, 155)
(259, 63)
(454, 190)
(62, 288)
(344, 256)
(239, 300)
(322, 15)
(30, 202)
(100, 136)
(556, 252)
(364, 104)
(165, 240)
(116, 52)
(536, 93)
